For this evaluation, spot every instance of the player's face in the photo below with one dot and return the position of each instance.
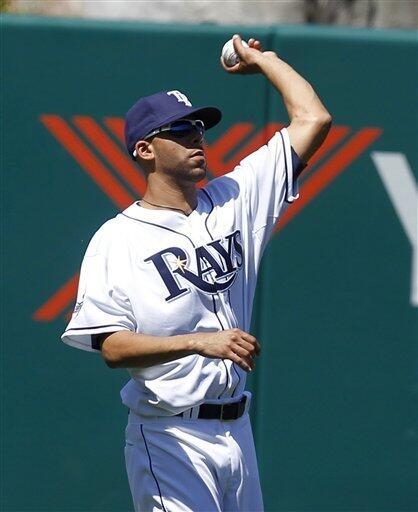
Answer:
(183, 158)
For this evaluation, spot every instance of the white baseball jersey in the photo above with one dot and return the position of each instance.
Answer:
(162, 273)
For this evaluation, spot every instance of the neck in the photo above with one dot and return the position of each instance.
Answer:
(170, 194)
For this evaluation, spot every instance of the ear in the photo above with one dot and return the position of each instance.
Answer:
(144, 150)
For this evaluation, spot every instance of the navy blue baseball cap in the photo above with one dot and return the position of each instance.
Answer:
(162, 108)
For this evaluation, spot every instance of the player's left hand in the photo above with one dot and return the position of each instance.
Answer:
(250, 57)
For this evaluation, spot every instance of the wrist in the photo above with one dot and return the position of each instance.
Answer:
(266, 58)
(192, 343)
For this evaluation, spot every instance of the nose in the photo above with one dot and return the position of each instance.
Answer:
(198, 137)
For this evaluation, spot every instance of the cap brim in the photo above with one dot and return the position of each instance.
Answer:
(209, 115)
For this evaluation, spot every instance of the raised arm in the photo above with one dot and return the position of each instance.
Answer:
(309, 119)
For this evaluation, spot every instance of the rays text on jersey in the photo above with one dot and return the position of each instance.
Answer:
(216, 265)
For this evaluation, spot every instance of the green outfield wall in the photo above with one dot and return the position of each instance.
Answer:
(336, 388)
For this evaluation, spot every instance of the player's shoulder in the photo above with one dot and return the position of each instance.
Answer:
(265, 152)
(222, 189)
(231, 184)
(111, 234)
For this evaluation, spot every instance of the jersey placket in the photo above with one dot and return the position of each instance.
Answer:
(222, 299)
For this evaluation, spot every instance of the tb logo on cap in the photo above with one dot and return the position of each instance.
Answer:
(180, 97)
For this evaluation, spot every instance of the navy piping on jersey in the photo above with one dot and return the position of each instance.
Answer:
(223, 328)
(233, 364)
(214, 305)
(92, 343)
(93, 327)
(239, 379)
(211, 210)
(216, 313)
(152, 471)
(285, 165)
(162, 227)
(229, 299)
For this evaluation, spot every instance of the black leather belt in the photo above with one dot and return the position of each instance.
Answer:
(225, 412)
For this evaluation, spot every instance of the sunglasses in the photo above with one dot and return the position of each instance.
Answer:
(179, 129)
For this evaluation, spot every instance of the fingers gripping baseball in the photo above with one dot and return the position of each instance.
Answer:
(255, 43)
(234, 344)
(248, 56)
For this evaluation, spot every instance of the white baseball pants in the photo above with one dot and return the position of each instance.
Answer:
(178, 465)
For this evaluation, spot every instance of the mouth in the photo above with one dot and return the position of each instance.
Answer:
(199, 153)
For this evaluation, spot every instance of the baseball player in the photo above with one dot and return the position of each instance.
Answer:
(167, 286)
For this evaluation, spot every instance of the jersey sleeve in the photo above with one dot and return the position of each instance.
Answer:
(268, 181)
(103, 303)
(267, 185)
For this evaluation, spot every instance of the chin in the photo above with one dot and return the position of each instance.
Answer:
(198, 174)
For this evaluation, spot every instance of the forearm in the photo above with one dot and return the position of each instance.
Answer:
(309, 119)
(299, 97)
(125, 349)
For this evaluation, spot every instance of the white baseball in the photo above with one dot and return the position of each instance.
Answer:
(229, 56)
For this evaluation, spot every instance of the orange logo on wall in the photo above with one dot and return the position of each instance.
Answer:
(123, 183)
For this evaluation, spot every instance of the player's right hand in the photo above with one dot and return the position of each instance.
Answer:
(234, 344)
(250, 57)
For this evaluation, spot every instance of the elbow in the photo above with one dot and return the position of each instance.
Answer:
(111, 364)
(315, 122)
(323, 121)
(327, 119)
(110, 355)
(322, 125)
